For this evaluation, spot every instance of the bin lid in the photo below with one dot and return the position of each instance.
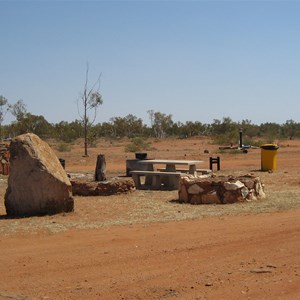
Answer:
(269, 147)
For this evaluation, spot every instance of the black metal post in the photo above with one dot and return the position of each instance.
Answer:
(241, 138)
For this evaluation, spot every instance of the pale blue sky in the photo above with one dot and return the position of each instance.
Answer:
(195, 60)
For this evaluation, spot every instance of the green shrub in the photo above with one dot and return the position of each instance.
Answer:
(137, 144)
(226, 139)
(63, 147)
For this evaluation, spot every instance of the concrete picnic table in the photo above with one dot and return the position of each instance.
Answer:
(171, 164)
(167, 177)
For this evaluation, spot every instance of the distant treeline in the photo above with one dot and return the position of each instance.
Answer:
(223, 131)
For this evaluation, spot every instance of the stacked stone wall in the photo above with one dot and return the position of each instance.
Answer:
(220, 190)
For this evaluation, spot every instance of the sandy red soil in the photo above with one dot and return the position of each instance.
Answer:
(248, 254)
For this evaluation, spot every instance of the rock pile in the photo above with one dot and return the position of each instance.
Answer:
(220, 190)
(83, 187)
(4, 158)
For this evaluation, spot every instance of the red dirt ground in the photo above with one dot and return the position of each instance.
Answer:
(241, 255)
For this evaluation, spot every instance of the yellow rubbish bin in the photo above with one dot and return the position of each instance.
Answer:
(268, 157)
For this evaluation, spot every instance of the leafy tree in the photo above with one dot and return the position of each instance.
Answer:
(118, 126)
(160, 123)
(221, 127)
(91, 99)
(18, 110)
(249, 130)
(106, 129)
(291, 129)
(193, 128)
(270, 131)
(178, 130)
(134, 125)
(68, 132)
(34, 124)
(225, 131)
(128, 126)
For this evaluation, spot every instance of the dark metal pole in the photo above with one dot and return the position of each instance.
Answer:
(241, 138)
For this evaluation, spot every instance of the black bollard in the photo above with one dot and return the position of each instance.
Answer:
(214, 160)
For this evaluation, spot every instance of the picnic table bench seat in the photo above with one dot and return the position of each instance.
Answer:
(202, 171)
(155, 179)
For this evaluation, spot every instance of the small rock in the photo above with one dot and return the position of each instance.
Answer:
(271, 266)
(209, 284)
(258, 271)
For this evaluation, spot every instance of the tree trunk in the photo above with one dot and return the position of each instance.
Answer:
(100, 168)
(85, 137)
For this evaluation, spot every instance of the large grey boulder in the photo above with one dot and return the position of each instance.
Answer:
(37, 183)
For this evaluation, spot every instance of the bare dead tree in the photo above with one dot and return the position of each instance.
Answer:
(87, 105)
